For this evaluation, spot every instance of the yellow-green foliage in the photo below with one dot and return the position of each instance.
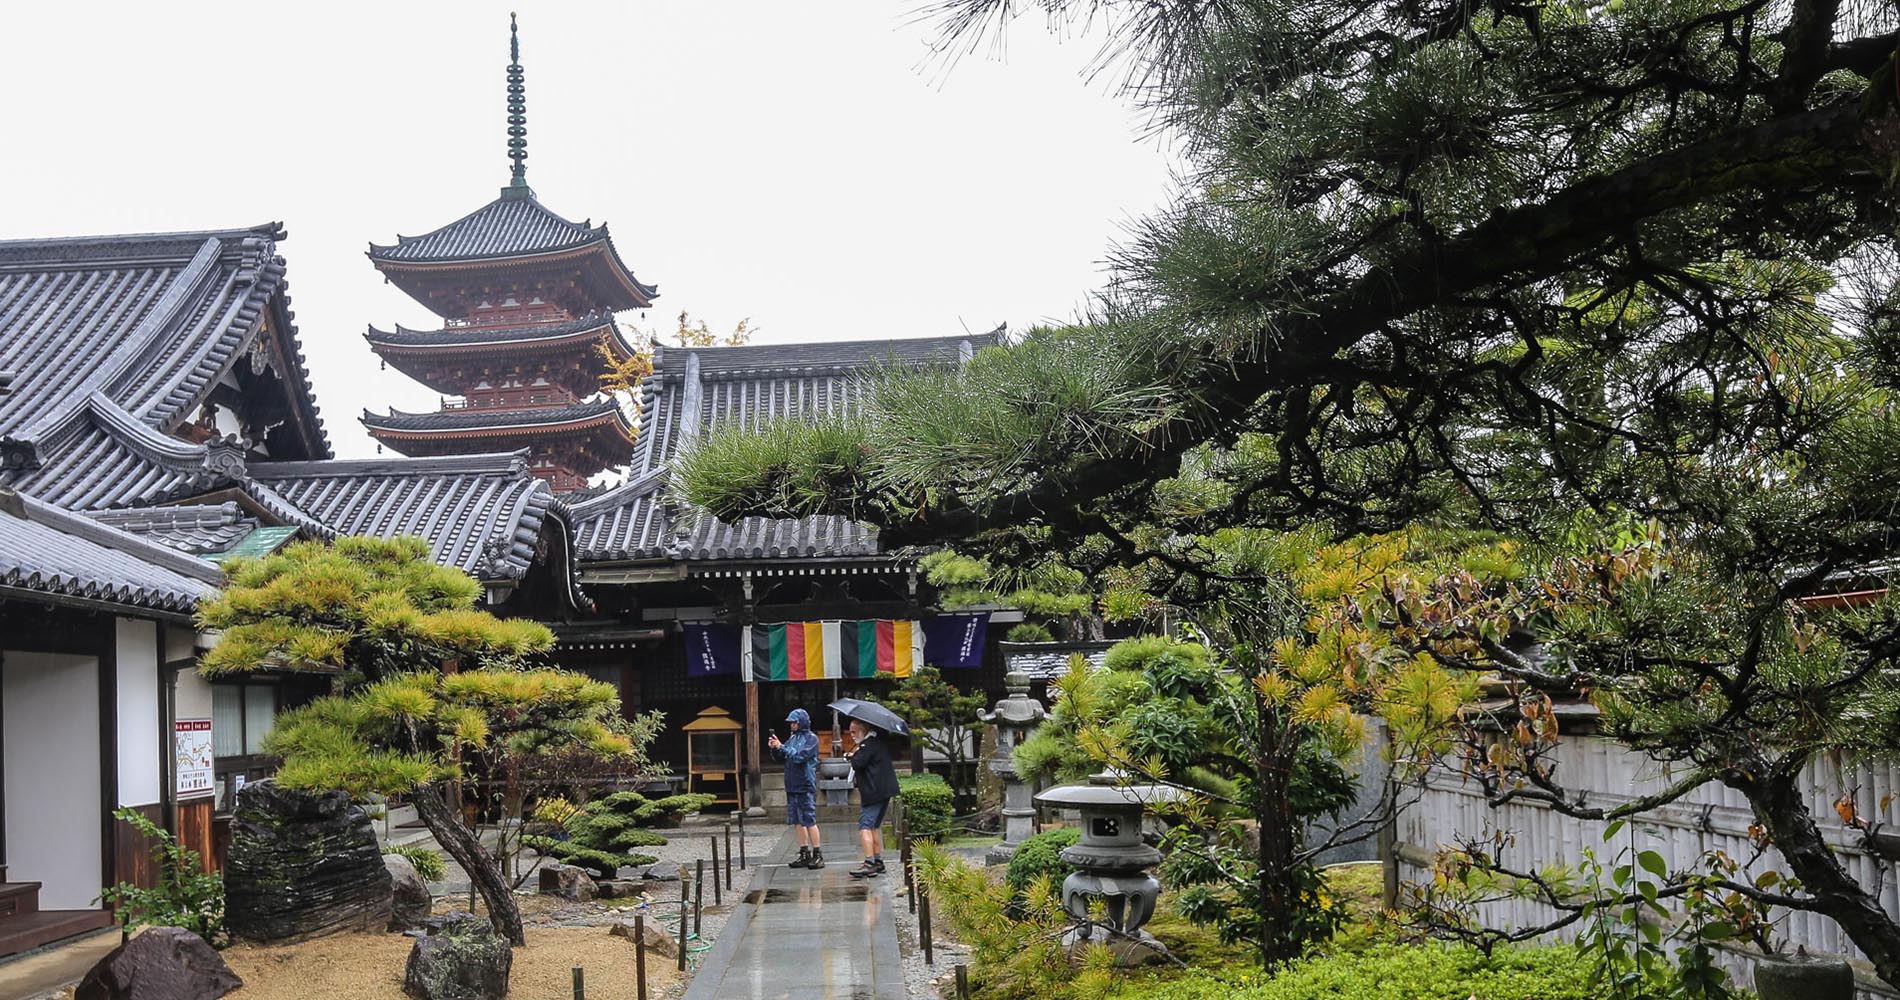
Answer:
(390, 622)
(321, 605)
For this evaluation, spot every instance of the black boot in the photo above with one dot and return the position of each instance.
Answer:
(817, 859)
(804, 859)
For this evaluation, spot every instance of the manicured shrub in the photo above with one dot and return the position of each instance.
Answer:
(928, 805)
(605, 864)
(1029, 632)
(1428, 971)
(1039, 857)
(428, 861)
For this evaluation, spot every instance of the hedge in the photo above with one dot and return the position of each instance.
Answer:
(1427, 971)
(928, 805)
(1039, 856)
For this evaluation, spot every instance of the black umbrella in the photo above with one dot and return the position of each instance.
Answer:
(871, 714)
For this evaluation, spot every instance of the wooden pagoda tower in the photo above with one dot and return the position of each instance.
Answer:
(527, 299)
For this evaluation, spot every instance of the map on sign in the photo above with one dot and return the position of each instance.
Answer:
(191, 742)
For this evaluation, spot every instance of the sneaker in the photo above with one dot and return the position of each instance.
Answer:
(866, 870)
(817, 859)
(879, 862)
(804, 859)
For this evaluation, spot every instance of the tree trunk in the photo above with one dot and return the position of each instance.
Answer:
(1780, 807)
(1279, 941)
(467, 850)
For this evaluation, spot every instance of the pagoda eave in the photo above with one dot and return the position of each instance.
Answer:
(609, 285)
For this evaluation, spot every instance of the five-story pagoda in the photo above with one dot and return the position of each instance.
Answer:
(528, 300)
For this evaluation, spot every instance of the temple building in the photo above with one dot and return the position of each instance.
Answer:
(528, 301)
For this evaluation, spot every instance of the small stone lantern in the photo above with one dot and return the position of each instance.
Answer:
(1112, 863)
(1015, 718)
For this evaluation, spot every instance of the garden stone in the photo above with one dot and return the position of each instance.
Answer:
(657, 874)
(463, 959)
(567, 882)
(163, 963)
(411, 904)
(621, 888)
(1802, 976)
(658, 940)
(302, 865)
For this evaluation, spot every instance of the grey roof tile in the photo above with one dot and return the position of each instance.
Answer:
(474, 419)
(49, 551)
(506, 227)
(196, 529)
(151, 321)
(460, 336)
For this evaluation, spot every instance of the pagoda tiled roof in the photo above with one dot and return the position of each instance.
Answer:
(484, 336)
(694, 390)
(450, 421)
(509, 226)
(62, 556)
(151, 322)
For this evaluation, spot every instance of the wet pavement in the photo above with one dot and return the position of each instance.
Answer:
(803, 935)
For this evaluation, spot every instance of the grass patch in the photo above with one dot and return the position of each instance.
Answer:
(971, 841)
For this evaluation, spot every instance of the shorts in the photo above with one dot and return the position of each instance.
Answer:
(801, 807)
(872, 816)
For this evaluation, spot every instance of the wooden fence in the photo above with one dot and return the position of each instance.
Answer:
(1451, 808)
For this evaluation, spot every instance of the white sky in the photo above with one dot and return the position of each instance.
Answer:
(804, 164)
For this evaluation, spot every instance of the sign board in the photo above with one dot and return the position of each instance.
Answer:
(191, 742)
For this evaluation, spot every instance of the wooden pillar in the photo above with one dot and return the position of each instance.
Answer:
(754, 783)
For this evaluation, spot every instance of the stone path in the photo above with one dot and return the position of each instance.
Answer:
(802, 935)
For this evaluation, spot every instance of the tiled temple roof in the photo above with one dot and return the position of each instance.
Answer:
(151, 322)
(448, 421)
(60, 556)
(509, 226)
(693, 390)
(195, 529)
(483, 513)
(462, 336)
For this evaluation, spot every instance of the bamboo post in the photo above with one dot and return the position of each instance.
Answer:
(715, 857)
(728, 857)
(682, 925)
(640, 954)
(699, 891)
(923, 923)
(742, 840)
(963, 982)
(580, 984)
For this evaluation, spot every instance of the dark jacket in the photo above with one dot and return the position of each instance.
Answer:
(872, 771)
(800, 754)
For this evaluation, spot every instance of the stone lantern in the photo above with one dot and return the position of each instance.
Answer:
(1112, 862)
(1015, 718)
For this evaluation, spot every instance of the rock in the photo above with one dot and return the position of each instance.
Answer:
(463, 959)
(1802, 976)
(1129, 952)
(567, 882)
(302, 865)
(658, 940)
(658, 874)
(411, 903)
(621, 888)
(164, 963)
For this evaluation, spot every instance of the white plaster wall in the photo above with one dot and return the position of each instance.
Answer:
(181, 643)
(51, 760)
(194, 695)
(139, 764)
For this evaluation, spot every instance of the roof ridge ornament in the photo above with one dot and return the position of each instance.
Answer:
(517, 117)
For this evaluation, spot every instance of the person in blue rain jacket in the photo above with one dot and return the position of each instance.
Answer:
(799, 751)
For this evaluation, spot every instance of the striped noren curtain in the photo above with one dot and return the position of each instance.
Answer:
(810, 651)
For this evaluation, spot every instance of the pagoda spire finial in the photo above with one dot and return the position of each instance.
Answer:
(517, 115)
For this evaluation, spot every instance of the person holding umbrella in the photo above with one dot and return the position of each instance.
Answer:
(873, 774)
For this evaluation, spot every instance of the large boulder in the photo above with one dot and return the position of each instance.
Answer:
(163, 963)
(462, 958)
(302, 865)
(658, 940)
(411, 903)
(567, 882)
